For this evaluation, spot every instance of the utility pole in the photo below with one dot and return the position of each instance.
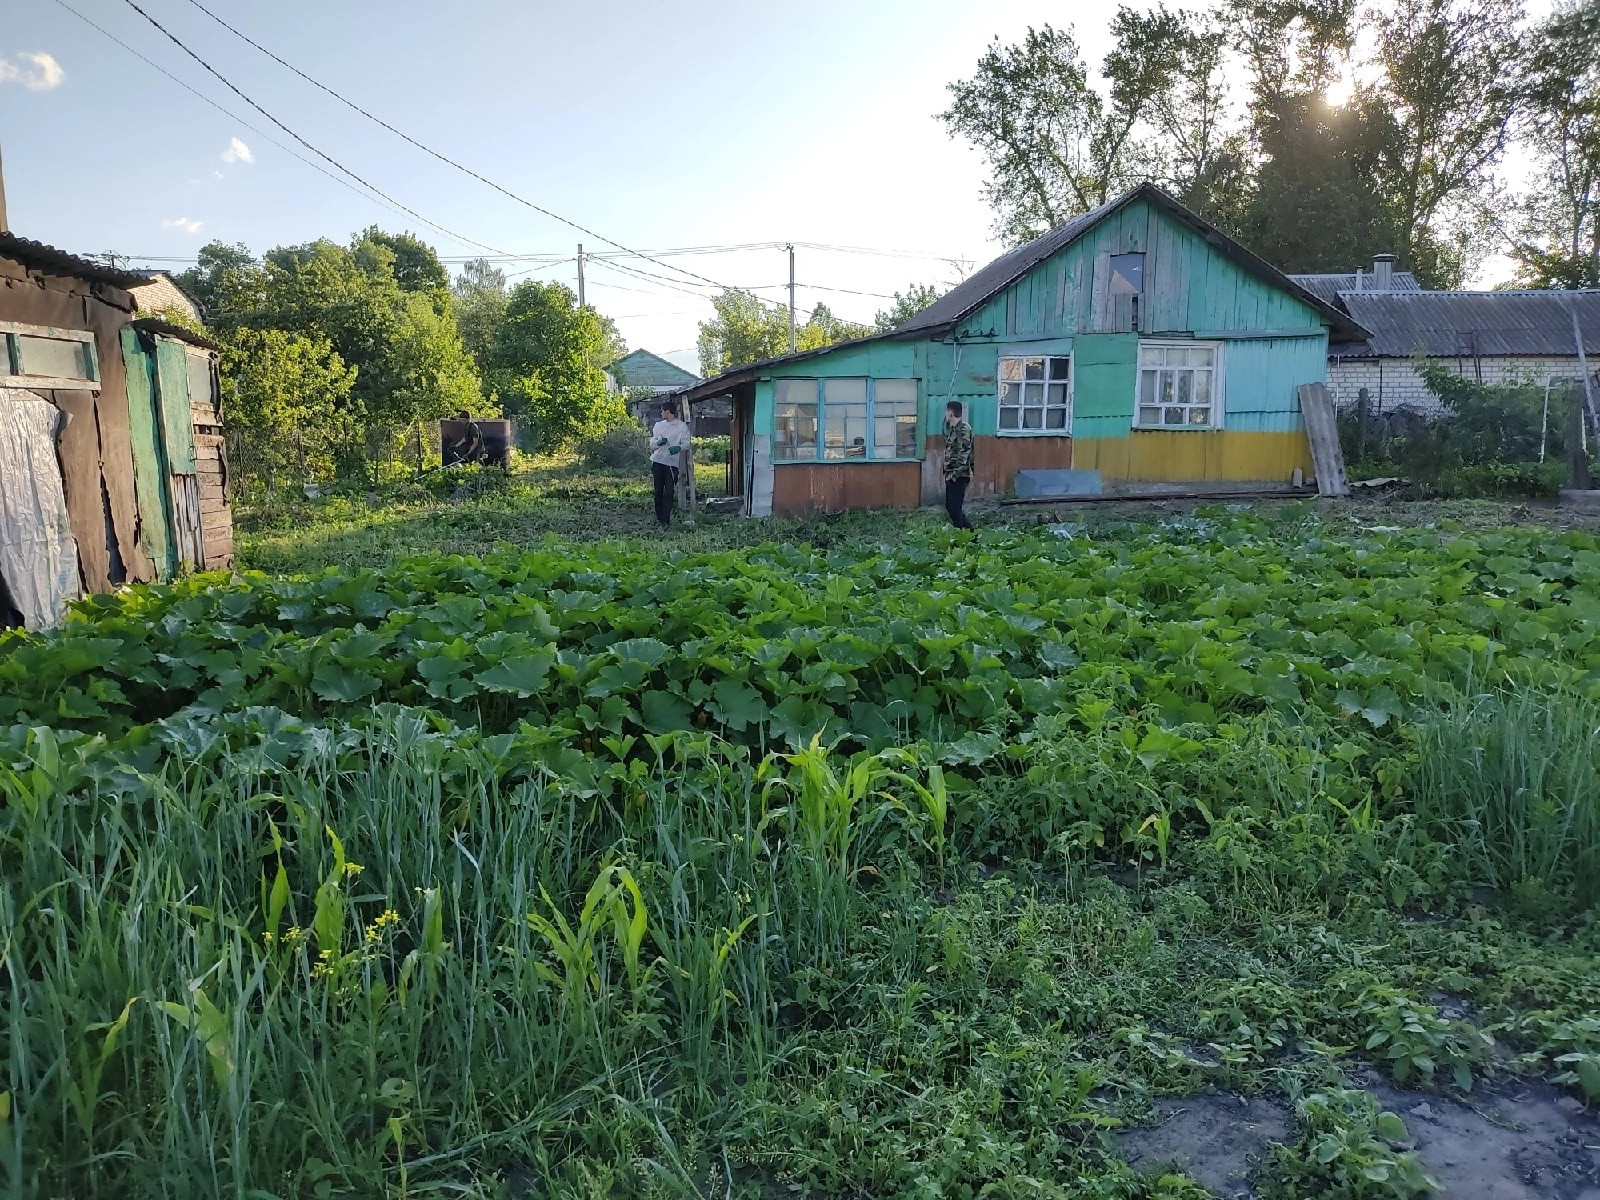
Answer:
(580, 275)
(791, 298)
(3, 226)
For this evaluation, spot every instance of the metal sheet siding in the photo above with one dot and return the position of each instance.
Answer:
(1224, 456)
(1260, 378)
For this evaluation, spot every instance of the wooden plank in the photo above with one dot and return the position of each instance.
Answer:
(172, 389)
(1100, 295)
(1316, 405)
(49, 383)
(149, 468)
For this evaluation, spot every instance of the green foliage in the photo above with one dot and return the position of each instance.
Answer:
(1512, 778)
(907, 304)
(1350, 1153)
(288, 408)
(1405, 165)
(543, 367)
(1558, 237)
(622, 446)
(634, 867)
(747, 329)
(382, 303)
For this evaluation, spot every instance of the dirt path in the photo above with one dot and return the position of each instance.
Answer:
(1515, 1142)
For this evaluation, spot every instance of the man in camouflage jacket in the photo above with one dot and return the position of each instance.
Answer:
(957, 464)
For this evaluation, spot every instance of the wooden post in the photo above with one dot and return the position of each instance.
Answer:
(1363, 412)
(1577, 455)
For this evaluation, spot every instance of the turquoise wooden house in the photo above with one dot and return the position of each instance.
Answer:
(1136, 340)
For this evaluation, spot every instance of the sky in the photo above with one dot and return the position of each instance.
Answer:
(656, 125)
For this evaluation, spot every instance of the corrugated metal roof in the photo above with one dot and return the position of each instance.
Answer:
(644, 369)
(1013, 265)
(1329, 287)
(58, 262)
(1472, 324)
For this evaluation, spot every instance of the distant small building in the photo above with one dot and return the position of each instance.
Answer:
(1507, 337)
(647, 377)
(161, 293)
(112, 466)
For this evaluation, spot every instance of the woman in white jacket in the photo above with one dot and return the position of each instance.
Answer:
(669, 451)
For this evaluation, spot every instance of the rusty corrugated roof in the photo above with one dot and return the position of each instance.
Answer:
(1472, 324)
(58, 262)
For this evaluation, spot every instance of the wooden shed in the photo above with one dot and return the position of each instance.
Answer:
(112, 468)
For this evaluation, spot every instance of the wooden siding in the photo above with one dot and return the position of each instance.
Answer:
(995, 463)
(800, 488)
(1189, 285)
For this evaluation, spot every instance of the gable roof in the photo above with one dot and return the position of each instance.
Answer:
(946, 312)
(643, 369)
(942, 316)
(1329, 286)
(51, 261)
(1472, 324)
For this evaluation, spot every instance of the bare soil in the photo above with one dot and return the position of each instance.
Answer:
(1516, 1141)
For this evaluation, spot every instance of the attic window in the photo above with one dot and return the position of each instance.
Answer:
(1127, 274)
(37, 356)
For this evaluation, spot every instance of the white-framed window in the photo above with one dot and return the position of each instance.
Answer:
(37, 356)
(844, 419)
(1180, 386)
(1036, 393)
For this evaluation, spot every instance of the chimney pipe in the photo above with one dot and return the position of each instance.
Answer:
(4, 228)
(1383, 272)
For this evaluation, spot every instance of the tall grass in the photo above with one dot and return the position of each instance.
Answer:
(1510, 778)
(379, 958)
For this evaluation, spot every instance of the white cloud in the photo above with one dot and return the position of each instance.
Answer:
(33, 69)
(187, 224)
(237, 152)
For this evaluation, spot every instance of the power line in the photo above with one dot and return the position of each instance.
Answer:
(257, 130)
(413, 141)
(335, 163)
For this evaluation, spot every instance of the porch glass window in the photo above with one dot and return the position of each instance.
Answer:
(35, 356)
(1036, 394)
(795, 419)
(844, 420)
(1179, 386)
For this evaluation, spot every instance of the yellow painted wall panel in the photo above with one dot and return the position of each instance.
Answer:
(1157, 457)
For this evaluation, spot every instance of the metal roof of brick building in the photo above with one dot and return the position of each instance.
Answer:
(1472, 324)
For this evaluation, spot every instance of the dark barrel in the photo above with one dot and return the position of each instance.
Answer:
(467, 441)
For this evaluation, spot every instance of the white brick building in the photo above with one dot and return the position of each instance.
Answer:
(1492, 337)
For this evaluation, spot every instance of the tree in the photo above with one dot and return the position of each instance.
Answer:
(747, 329)
(907, 304)
(227, 282)
(1313, 205)
(543, 367)
(1558, 241)
(415, 266)
(1448, 83)
(1032, 112)
(406, 346)
(480, 303)
(288, 406)
(1059, 145)
(612, 344)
